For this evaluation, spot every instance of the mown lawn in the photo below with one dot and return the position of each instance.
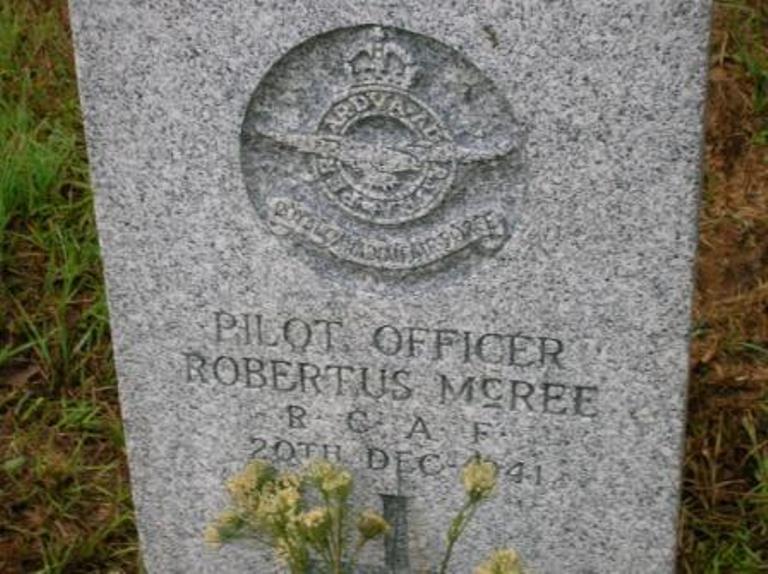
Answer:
(64, 498)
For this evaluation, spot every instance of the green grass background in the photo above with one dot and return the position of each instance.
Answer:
(64, 497)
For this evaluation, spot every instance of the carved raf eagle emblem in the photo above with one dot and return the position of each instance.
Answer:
(379, 158)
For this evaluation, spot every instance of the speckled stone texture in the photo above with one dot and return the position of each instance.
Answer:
(394, 234)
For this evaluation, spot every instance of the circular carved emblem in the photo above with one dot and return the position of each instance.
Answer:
(361, 143)
(381, 173)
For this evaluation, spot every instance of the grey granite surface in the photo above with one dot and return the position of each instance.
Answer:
(394, 234)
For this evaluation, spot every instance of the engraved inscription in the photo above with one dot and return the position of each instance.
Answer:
(283, 357)
(400, 403)
(362, 143)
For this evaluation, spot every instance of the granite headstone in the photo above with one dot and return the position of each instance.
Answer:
(394, 234)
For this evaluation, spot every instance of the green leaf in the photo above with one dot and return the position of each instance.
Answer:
(14, 465)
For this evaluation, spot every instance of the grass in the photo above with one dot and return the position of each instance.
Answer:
(725, 506)
(64, 498)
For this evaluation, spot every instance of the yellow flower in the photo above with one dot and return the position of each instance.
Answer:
(288, 497)
(318, 470)
(330, 479)
(211, 536)
(315, 518)
(246, 485)
(282, 551)
(227, 525)
(505, 561)
(289, 479)
(277, 504)
(228, 519)
(315, 523)
(479, 478)
(371, 524)
(338, 484)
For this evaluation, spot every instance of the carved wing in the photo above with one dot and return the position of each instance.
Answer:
(361, 155)
(388, 159)
(451, 152)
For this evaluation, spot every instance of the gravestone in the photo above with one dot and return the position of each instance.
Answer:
(394, 234)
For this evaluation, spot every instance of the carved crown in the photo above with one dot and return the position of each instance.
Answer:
(381, 62)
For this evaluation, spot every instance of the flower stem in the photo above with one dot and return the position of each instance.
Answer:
(458, 525)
